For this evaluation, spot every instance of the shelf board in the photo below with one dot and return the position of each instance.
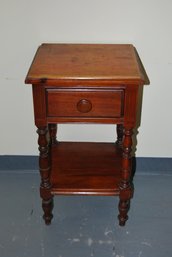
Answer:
(85, 168)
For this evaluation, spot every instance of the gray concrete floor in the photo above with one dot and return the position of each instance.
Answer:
(85, 226)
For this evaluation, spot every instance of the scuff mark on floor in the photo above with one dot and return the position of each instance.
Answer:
(140, 253)
(105, 242)
(74, 240)
(14, 238)
(31, 213)
(100, 242)
(113, 251)
(146, 243)
(107, 232)
(92, 253)
(90, 241)
(42, 249)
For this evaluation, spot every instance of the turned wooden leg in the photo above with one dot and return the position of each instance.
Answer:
(123, 210)
(119, 130)
(126, 189)
(47, 206)
(44, 167)
(52, 133)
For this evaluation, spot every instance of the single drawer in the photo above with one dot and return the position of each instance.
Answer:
(84, 103)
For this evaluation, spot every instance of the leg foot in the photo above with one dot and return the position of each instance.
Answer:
(123, 210)
(47, 206)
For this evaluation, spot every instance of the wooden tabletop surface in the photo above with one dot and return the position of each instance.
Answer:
(113, 62)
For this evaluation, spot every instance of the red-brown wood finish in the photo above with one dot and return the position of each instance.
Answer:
(52, 134)
(85, 168)
(85, 83)
(95, 103)
(119, 131)
(44, 167)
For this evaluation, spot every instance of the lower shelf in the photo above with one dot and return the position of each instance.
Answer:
(85, 168)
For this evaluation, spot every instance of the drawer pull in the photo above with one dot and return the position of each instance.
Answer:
(84, 105)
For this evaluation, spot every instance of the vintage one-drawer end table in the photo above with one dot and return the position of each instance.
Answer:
(85, 83)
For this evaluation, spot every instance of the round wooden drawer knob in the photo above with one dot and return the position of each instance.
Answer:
(84, 105)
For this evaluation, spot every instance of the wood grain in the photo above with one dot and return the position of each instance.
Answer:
(86, 83)
(102, 103)
(85, 168)
(86, 62)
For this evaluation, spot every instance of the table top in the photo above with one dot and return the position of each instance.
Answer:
(118, 63)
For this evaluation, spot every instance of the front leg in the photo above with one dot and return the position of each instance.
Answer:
(126, 189)
(44, 167)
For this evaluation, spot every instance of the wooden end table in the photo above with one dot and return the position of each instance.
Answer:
(85, 83)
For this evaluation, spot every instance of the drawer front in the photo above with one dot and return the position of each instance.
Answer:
(87, 103)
